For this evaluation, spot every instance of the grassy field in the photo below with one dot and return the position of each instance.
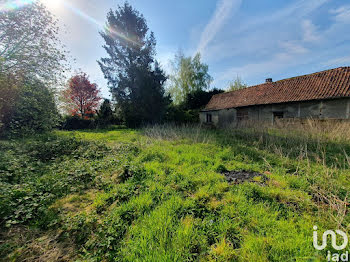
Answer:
(159, 194)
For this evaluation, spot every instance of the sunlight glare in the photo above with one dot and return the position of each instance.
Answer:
(13, 4)
(52, 4)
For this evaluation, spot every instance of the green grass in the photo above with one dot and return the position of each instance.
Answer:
(157, 194)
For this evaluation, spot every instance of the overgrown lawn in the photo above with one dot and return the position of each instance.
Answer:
(159, 194)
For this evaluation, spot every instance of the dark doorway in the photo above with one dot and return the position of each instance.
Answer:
(209, 120)
(277, 116)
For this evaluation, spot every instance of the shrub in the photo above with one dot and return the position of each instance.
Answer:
(188, 110)
(35, 172)
(34, 110)
(77, 123)
(8, 96)
(179, 115)
(105, 116)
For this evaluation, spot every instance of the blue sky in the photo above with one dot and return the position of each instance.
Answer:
(254, 39)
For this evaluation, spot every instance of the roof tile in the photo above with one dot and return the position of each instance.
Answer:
(333, 83)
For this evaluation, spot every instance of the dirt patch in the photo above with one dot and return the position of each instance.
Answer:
(240, 176)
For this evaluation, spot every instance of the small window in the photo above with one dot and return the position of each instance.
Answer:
(209, 120)
(278, 115)
(242, 115)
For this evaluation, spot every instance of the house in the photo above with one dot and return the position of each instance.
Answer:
(322, 95)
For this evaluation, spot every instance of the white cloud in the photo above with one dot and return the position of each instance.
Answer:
(298, 10)
(222, 13)
(266, 45)
(342, 14)
(309, 31)
(267, 67)
(293, 47)
(260, 35)
(338, 61)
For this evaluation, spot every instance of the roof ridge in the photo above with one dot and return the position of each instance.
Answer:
(326, 84)
(311, 74)
(285, 79)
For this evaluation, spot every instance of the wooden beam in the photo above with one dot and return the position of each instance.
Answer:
(321, 109)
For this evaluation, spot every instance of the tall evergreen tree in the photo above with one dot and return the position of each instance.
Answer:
(105, 114)
(134, 77)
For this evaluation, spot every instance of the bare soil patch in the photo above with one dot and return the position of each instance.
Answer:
(240, 176)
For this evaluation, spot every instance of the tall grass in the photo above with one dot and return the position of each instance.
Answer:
(311, 140)
(158, 194)
(319, 150)
(192, 132)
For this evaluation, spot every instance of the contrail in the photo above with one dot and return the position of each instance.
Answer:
(222, 13)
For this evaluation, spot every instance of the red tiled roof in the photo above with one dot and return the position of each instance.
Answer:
(332, 83)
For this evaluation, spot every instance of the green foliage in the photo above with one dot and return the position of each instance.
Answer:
(8, 97)
(148, 103)
(32, 61)
(105, 115)
(178, 115)
(189, 75)
(237, 84)
(29, 44)
(158, 194)
(188, 110)
(37, 171)
(76, 123)
(135, 79)
(199, 98)
(34, 110)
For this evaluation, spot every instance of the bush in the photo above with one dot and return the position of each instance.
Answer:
(37, 171)
(179, 115)
(199, 98)
(77, 123)
(8, 96)
(34, 110)
(105, 116)
(188, 111)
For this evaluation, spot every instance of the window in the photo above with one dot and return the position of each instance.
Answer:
(278, 115)
(242, 115)
(209, 120)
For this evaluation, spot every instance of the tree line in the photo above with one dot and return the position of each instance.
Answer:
(31, 59)
(33, 65)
